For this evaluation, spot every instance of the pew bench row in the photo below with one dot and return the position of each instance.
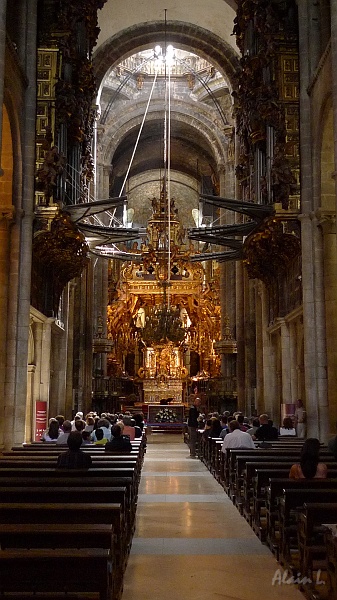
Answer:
(66, 530)
(286, 514)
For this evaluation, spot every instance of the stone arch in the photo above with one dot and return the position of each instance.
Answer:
(120, 128)
(186, 35)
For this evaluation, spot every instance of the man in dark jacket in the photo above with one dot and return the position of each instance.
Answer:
(266, 431)
(118, 442)
(74, 458)
(192, 424)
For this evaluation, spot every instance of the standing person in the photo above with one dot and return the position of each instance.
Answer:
(300, 419)
(192, 424)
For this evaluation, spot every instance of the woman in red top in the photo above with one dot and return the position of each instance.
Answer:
(309, 466)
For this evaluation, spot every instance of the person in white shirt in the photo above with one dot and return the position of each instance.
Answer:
(237, 438)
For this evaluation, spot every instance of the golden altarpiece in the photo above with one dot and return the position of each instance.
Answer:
(164, 311)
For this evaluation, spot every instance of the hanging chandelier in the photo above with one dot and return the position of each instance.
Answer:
(163, 325)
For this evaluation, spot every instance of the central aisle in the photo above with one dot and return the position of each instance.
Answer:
(190, 541)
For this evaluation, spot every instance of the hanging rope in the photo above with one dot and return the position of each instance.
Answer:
(139, 134)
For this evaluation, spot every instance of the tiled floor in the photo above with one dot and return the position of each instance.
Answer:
(190, 541)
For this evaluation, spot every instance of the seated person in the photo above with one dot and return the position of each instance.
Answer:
(105, 425)
(74, 458)
(208, 427)
(63, 437)
(128, 428)
(309, 466)
(139, 420)
(241, 420)
(52, 433)
(224, 425)
(237, 438)
(255, 425)
(101, 440)
(288, 427)
(86, 438)
(216, 428)
(266, 431)
(118, 442)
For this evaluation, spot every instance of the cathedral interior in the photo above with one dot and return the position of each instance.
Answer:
(168, 209)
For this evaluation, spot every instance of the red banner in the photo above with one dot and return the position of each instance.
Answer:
(40, 419)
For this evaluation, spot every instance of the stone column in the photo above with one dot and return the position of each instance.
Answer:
(6, 218)
(69, 391)
(327, 223)
(259, 327)
(333, 9)
(86, 337)
(28, 125)
(293, 332)
(266, 403)
(59, 350)
(308, 274)
(3, 8)
(105, 184)
(321, 351)
(240, 333)
(285, 361)
(30, 405)
(45, 373)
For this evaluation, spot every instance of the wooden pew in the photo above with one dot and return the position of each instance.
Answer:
(79, 495)
(288, 506)
(60, 570)
(261, 483)
(245, 484)
(105, 485)
(331, 554)
(313, 551)
(69, 513)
